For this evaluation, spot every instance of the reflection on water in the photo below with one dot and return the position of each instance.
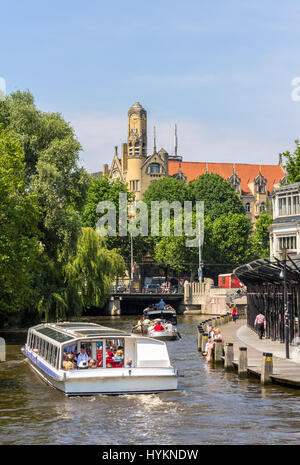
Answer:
(210, 407)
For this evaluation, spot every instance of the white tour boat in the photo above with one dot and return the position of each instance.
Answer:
(118, 362)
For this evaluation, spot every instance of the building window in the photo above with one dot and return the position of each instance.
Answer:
(262, 207)
(288, 242)
(247, 207)
(136, 148)
(154, 168)
(288, 205)
(134, 186)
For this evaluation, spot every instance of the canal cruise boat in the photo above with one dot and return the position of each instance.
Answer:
(116, 362)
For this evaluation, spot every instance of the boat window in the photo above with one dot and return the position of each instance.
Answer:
(44, 349)
(53, 356)
(115, 353)
(39, 343)
(49, 352)
(29, 337)
(99, 354)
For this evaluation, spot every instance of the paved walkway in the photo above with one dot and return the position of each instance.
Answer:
(285, 371)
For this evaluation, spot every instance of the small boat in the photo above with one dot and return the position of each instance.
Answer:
(163, 335)
(144, 368)
(165, 315)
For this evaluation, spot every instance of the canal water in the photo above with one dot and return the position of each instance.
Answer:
(210, 407)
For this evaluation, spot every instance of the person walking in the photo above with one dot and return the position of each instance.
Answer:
(260, 324)
(234, 313)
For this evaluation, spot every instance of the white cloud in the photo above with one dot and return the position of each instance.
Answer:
(99, 133)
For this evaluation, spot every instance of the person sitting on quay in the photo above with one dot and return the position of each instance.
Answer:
(209, 348)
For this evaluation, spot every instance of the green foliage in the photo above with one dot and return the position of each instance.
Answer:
(42, 193)
(93, 269)
(293, 164)
(101, 189)
(218, 195)
(169, 189)
(19, 215)
(260, 240)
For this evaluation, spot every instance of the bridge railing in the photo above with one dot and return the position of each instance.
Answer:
(133, 290)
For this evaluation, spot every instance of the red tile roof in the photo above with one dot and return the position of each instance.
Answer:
(247, 173)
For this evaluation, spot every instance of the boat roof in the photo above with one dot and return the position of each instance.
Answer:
(159, 311)
(66, 331)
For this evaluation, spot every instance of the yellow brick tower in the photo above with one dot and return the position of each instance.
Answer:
(136, 148)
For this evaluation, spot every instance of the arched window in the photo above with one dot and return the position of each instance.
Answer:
(262, 207)
(154, 168)
(247, 207)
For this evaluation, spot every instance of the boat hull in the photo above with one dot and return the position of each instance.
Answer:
(163, 336)
(123, 381)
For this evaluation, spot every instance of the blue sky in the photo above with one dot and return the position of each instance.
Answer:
(221, 70)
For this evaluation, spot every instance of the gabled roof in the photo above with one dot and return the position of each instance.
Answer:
(246, 172)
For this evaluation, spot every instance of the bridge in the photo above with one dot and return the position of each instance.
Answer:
(125, 303)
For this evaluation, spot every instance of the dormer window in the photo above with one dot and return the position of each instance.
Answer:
(260, 184)
(154, 168)
(235, 181)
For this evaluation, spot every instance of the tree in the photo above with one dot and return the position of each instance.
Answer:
(19, 246)
(227, 242)
(169, 189)
(260, 240)
(101, 189)
(293, 164)
(218, 195)
(93, 268)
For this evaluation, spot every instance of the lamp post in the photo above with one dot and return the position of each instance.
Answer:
(131, 262)
(285, 307)
(200, 268)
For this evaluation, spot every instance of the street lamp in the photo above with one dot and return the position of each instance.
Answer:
(285, 306)
(200, 268)
(131, 262)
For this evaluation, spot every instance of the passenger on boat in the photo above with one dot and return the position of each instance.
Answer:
(169, 327)
(109, 359)
(114, 348)
(147, 321)
(158, 327)
(128, 363)
(82, 359)
(118, 359)
(161, 304)
(139, 325)
(92, 363)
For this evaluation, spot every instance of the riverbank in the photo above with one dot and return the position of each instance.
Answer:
(286, 372)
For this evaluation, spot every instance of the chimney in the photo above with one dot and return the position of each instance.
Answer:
(105, 169)
(124, 157)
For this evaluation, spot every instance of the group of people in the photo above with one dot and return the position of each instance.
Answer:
(161, 305)
(213, 335)
(83, 359)
(154, 325)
